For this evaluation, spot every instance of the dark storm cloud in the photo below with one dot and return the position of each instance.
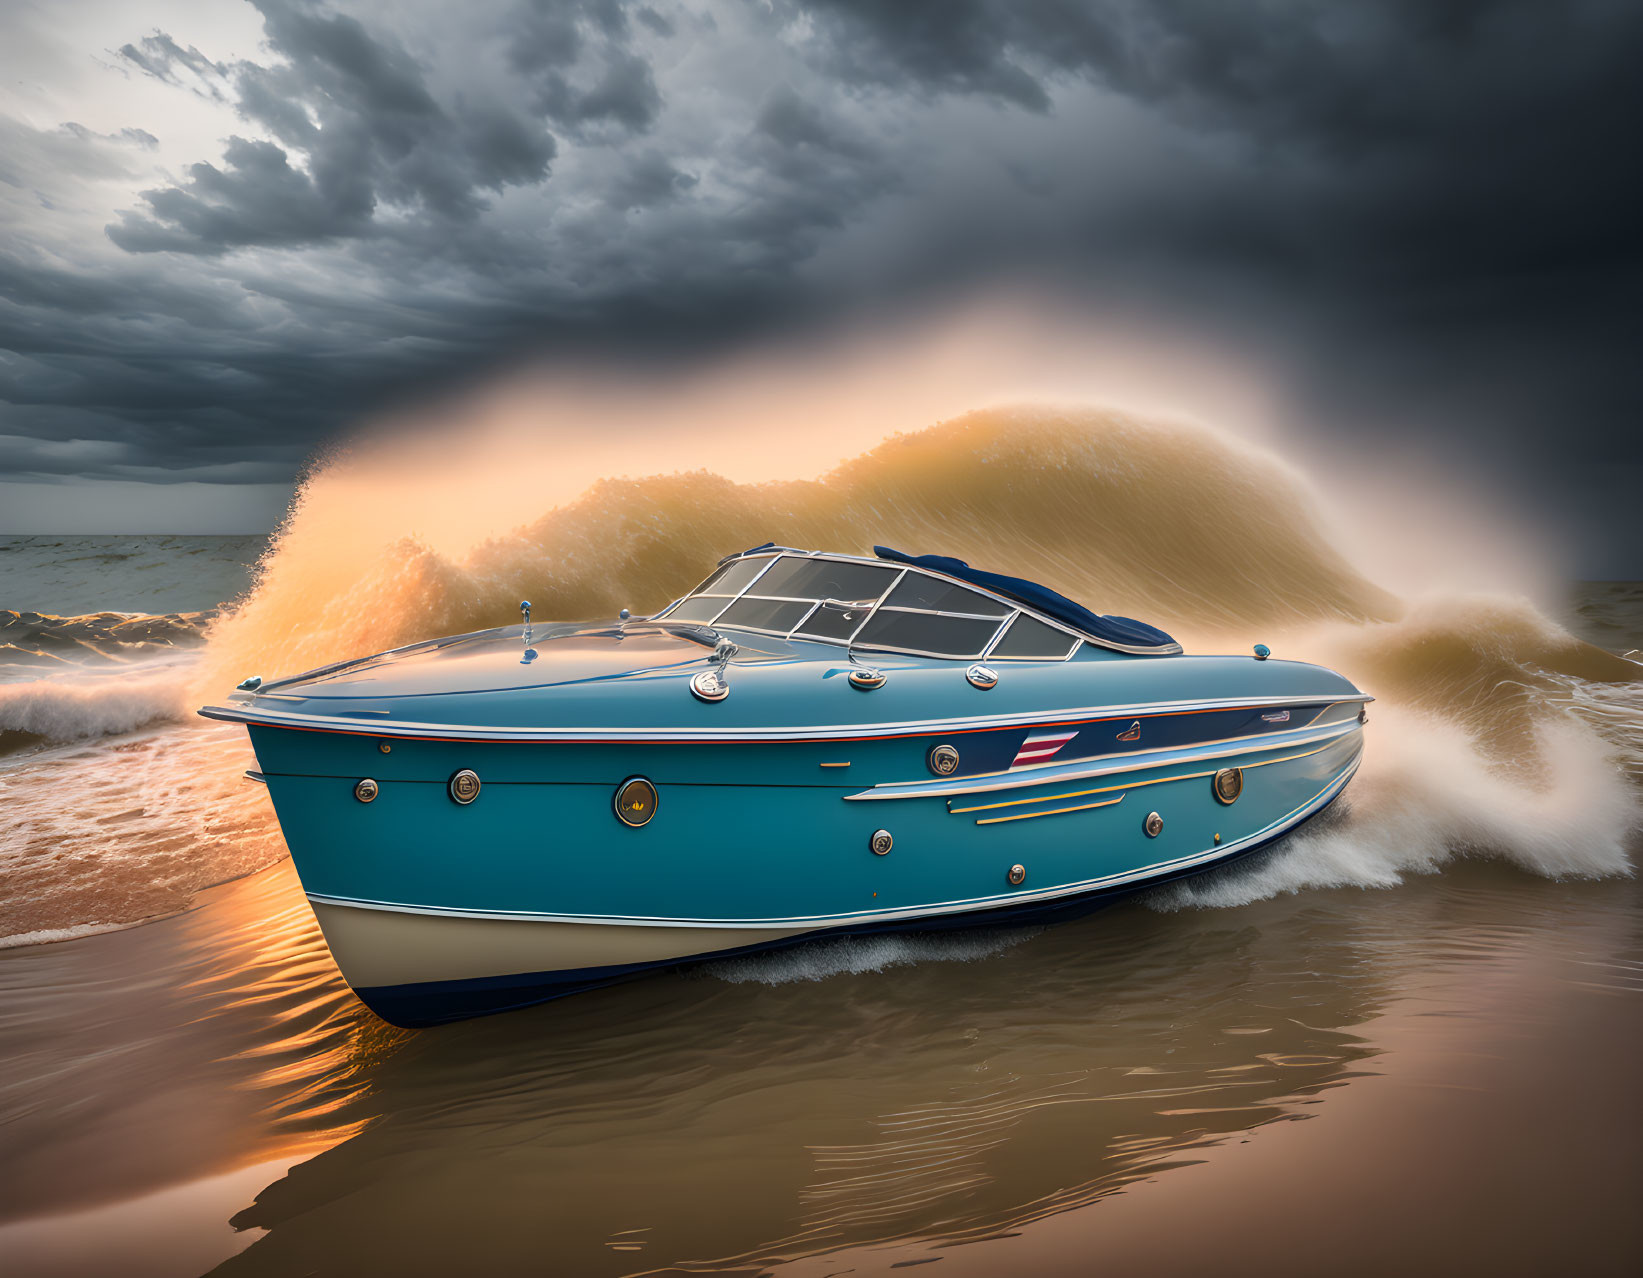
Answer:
(358, 111)
(549, 39)
(1498, 126)
(1428, 209)
(648, 181)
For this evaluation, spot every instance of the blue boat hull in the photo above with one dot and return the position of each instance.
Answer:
(437, 911)
(420, 1005)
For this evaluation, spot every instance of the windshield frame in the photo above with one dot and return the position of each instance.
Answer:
(1006, 620)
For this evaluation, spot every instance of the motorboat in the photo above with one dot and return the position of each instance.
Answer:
(805, 745)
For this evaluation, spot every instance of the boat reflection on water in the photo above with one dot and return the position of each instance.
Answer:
(708, 1121)
(697, 1123)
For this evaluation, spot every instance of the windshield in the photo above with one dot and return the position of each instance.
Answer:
(867, 605)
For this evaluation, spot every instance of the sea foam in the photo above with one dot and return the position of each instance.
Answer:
(85, 705)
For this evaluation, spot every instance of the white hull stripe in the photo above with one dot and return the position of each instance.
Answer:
(344, 724)
(814, 922)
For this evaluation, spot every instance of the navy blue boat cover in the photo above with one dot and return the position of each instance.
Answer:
(1134, 634)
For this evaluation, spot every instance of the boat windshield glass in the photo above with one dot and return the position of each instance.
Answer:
(867, 605)
(814, 598)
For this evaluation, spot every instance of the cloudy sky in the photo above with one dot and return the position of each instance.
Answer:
(232, 229)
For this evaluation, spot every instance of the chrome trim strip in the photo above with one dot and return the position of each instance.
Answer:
(919, 652)
(828, 732)
(809, 599)
(992, 655)
(1131, 785)
(998, 636)
(743, 591)
(934, 910)
(1028, 816)
(1102, 765)
(963, 616)
(255, 776)
(877, 604)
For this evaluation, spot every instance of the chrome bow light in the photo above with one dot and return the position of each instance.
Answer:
(1262, 652)
(525, 620)
(365, 790)
(1229, 784)
(866, 678)
(464, 786)
(944, 760)
(881, 842)
(635, 802)
(249, 684)
(981, 676)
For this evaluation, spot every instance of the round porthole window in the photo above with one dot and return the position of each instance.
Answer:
(635, 802)
(944, 761)
(1229, 784)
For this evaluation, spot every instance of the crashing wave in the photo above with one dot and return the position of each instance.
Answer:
(1496, 731)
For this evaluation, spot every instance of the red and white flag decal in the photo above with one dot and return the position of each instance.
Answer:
(1037, 749)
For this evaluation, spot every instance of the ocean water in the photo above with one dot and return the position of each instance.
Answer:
(151, 575)
(1403, 1040)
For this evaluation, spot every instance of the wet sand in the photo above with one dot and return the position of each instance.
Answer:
(1435, 1078)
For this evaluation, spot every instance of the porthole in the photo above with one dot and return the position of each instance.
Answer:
(1229, 784)
(635, 802)
(464, 786)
